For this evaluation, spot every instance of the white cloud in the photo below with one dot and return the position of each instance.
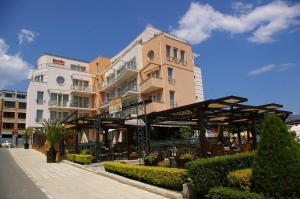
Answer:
(26, 36)
(13, 68)
(200, 21)
(241, 7)
(271, 67)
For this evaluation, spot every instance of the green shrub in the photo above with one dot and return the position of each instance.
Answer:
(164, 177)
(275, 166)
(151, 160)
(85, 152)
(71, 157)
(206, 173)
(228, 193)
(186, 156)
(165, 163)
(240, 179)
(82, 159)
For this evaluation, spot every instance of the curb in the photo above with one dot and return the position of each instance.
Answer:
(134, 183)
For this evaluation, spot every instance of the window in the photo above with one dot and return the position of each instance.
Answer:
(39, 116)
(58, 116)
(132, 64)
(40, 97)
(182, 57)
(154, 74)
(8, 125)
(80, 101)
(60, 80)
(22, 105)
(168, 53)
(9, 114)
(80, 85)
(8, 95)
(59, 99)
(21, 96)
(150, 55)
(39, 78)
(9, 104)
(172, 99)
(97, 67)
(175, 54)
(156, 97)
(22, 115)
(170, 76)
(21, 126)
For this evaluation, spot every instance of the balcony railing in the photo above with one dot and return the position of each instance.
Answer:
(171, 81)
(60, 104)
(81, 88)
(173, 104)
(77, 105)
(121, 74)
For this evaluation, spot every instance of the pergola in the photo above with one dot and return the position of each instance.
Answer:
(201, 115)
(216, 112)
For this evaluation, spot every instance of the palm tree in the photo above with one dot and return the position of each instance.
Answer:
(53, 133)
(26, 136)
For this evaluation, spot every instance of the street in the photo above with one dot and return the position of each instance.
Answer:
(14, 183)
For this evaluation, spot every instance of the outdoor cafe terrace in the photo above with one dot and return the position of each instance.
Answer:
(137, 134)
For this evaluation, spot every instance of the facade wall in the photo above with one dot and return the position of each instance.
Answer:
(68, 70)
(12, 119)
(198, 84)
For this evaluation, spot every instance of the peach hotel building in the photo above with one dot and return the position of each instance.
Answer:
(154, 65)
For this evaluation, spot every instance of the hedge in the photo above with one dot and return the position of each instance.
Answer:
(229, 193)
(240, 179)
(164, 177)
(206, 173)
(82, 159)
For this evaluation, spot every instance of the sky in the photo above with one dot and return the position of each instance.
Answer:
(247, 48)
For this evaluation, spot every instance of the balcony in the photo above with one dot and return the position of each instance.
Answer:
(82, 90)
(151, 84)
(69, 106)
(127, 72)
(155, 107)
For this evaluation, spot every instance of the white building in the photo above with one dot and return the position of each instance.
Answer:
(58, 87)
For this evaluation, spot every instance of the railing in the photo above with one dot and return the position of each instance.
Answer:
(60, 104)
(171, 81)
(119, 75)
(76, 105)
(173, 104)
(81, 88)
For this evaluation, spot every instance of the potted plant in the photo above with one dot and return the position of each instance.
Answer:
(26, 136)
(183, 159)
(53, 133)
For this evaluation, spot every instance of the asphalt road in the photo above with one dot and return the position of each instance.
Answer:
(14, 183)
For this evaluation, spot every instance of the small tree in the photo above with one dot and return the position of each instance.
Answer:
(186, 132)
(275, 163)
(53, 132)
(26, 135)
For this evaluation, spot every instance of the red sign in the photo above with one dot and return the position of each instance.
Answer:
(58, 61)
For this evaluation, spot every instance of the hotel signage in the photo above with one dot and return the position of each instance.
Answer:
(58, 61)
(115, 105)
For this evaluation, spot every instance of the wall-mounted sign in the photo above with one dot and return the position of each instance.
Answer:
(58, 61)
(115, 105)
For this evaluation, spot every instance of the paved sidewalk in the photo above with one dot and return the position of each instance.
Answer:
(63, 181)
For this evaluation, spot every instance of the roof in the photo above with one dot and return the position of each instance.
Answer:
(293, 118)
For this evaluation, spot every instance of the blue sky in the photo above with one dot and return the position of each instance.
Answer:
(249, 48)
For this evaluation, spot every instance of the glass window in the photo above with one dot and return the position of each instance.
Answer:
(168, 52)
(21, 126)
(21, 96)
(60, 80)
(9, 114)
(22, 115)
(172, 96)
(182, 56)
(9, 104)
(175, 54)
(156, 97)
(22, 105)
(39, 116)
(9, 95)
(8, 125)
(150, 55)
(170, 73)
(40, 97)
